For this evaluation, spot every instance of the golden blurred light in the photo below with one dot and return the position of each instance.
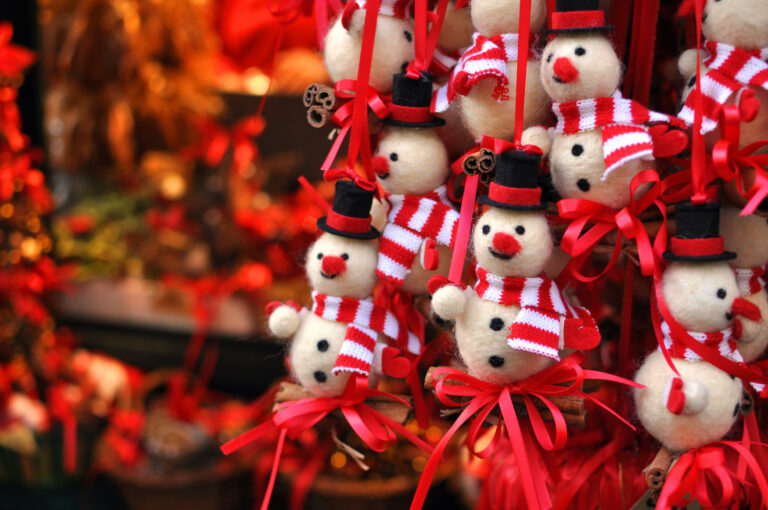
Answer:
(256, 82)
(14, 257)
(173, 186)
(419, 463)
(6, 211)
(30, 249)
(434, 434)
(338, 460)
(33, 224)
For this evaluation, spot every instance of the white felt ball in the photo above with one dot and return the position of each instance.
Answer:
(690, 429)
(449, 302)
(538, 136)
(493, 17)
(740, 23)
(283, 322)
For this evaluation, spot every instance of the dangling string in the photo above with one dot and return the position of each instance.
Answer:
(471, 183)
(698, 156)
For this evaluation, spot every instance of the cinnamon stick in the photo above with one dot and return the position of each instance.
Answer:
(656, 472)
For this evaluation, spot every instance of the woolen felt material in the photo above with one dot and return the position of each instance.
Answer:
(575, 22)
(412, 94)
(698, 222)
(351, 201)
(515, 169)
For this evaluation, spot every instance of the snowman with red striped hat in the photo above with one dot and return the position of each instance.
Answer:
(515, 321)
(412, 166)
(601, 140)
(393, 46)
(699, 303)
(344, 331)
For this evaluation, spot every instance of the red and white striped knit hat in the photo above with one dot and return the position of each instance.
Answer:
(395, 8)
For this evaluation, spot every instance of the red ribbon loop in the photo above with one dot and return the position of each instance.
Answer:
(580, 243)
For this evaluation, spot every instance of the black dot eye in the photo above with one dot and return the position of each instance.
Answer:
(320, 376)
(322, 345)
(520, 229)
(344, 256)
(721, 293)
(583, 185)
(580, 51)
(549, 57)
(496, 324)
(393, 156)
(692, 81)
(404, 66)
(486, 229)
(728, 316)
(319, 256)
(577, 150)
(496, 361)
(704, 18)
(408, 36)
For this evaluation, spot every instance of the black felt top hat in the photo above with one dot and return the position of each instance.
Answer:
(515, 185)
(578, 16)
(350, 215)
(411, 99)
(698, 234)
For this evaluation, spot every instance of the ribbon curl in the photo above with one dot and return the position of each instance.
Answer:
(626, 222)
(459, 389)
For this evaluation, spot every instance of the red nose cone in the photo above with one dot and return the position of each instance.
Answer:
(565, 71)
(380, 165)
(333, 266)
(743, 308)
(505, 244)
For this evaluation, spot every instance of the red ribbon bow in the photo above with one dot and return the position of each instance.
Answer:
(561, 379)
(728, 160)
(626, 222)
(216, 139)
(701, 474)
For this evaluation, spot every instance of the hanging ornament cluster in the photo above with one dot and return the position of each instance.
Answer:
(564, 187)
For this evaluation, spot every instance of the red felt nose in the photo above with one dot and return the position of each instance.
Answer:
(505, 243)
(743, 308)
(333, 265)
(380, 165)
(565, 70)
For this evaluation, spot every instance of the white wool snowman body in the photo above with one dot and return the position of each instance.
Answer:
(601, 140)
(747, 236)
(700, 292)
(485, 78)
(412, 167)
(514, 323)
(393, 45)
(344, 332)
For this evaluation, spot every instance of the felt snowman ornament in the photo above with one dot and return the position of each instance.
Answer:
(601, 140)
(734, 60)
(700, 292)
(412, 167)
(515, 321)
(747, 236)
(484, 80)
(339, 335)
(392, 48)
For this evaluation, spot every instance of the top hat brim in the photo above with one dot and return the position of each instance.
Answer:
(511, 207)
(322, 224)
(435, 122)
(603, 28)
(726, 255)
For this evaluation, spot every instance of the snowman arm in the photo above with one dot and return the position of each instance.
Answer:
(285, 318)
(448, 299)
(538, 136)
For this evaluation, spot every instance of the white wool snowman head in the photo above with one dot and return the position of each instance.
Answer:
(700, 292)
(493, 17)
(392, 49)
(740, 23)
(411, 159)
(457, 30)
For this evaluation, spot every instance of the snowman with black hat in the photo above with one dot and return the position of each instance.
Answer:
(515, 321)
(344, 331)
(699, 292)
(411, 165)
(601, 140)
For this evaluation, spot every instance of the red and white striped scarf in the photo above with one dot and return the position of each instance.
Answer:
(412, 219)
(722, 341)
(536, 328)
(488, 57)
(730, 70)
(625, 138)
(750, 281)
(365, 321)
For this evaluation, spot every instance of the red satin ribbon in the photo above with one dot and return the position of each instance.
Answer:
(728, 160)
(564, 378)
(698, 156)
(425, 41)
(712, 356)
(701, 474)
(604, 220)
